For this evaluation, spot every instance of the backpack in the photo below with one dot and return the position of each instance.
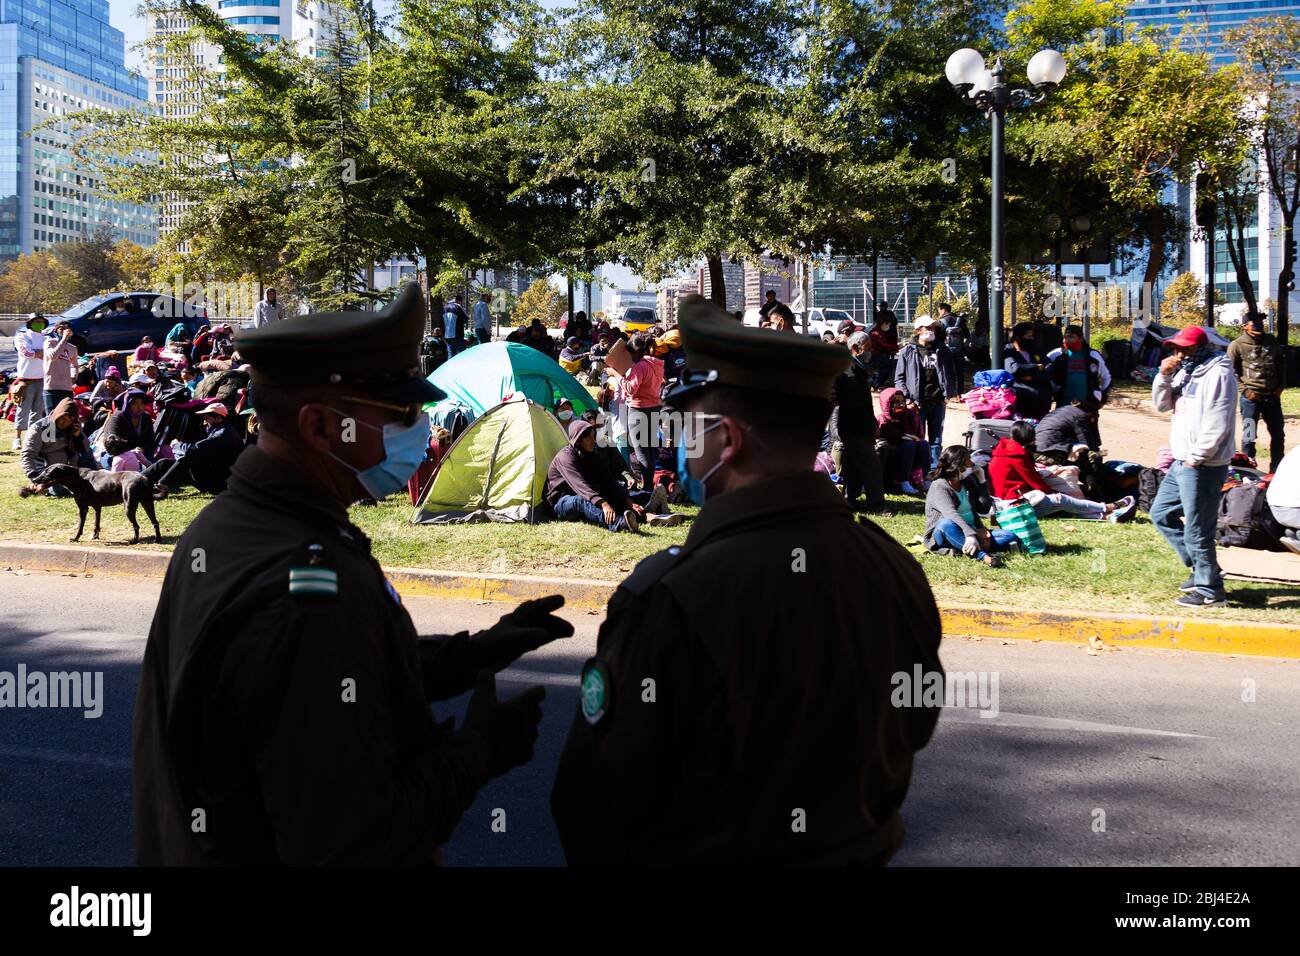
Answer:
(1245, 520)
(1149, 480)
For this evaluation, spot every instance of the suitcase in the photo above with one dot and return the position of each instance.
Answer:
(983, 434)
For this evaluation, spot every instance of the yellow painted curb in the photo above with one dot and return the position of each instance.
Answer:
(1127, 630)
(1121, 630)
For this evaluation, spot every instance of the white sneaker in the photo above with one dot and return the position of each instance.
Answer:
(662, 521)
(631, 521)
(1124, 509)
(17, 444)
(1291, 544)
(658, 501)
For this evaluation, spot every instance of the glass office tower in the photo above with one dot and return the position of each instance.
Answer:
(58, 57)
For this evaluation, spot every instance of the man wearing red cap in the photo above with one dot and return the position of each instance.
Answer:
(1198, 384)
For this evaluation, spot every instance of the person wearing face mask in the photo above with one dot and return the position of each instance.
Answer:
(925, 373)
(777, 625)
(1196, 382)
(27, 391)
(951, 524)
(1032, 380)
(1078, 372)
(284, 688)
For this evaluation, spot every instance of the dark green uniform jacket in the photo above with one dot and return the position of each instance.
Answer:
(283, 711)
(771, 638)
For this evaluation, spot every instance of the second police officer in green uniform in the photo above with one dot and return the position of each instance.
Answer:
(738, 709)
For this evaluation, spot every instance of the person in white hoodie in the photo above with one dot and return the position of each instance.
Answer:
(1198, 384)
(29, 343)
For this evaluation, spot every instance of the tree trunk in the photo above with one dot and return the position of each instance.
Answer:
(1155, 260)
(1236, 222)
(717, 283)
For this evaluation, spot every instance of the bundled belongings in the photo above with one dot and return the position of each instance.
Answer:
(1245, 520)
(992, 396)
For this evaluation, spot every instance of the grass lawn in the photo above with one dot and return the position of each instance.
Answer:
(1090, 565)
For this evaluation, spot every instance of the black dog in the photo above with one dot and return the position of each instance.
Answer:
(95, 489)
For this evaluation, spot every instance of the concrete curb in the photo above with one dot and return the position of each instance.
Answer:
(1116, 630)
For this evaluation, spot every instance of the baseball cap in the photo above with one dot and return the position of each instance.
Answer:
(1189, 338)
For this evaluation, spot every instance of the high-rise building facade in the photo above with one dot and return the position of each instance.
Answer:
(1209, 20)
(58, 57)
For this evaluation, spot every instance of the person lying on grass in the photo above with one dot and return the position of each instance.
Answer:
(1014, 474)
(951, 524)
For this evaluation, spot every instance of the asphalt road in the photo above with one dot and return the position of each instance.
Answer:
(1160, 742)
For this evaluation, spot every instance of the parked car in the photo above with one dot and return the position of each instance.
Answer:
(824, 323)
(637, 318)
(147, 313)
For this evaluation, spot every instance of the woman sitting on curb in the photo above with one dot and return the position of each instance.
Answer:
(951, 525)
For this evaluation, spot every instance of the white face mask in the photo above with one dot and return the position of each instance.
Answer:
(564, 414)
(925, 336)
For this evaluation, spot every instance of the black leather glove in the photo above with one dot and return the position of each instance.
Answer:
(509, 727)
(524, 629)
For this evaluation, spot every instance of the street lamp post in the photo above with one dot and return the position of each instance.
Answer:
(987, 90)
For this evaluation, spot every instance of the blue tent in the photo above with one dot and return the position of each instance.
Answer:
(484, 376)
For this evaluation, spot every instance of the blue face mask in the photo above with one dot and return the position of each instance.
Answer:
(404, 450)
(694, 487)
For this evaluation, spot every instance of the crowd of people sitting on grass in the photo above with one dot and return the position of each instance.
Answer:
(175, 413)
(180, 414)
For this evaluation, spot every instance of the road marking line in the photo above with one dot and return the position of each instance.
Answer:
(540, 677)
(957, 714)
(969, 715)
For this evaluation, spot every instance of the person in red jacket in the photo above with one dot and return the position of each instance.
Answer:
(1013, 474)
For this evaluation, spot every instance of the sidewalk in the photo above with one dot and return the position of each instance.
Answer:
(1112, 630)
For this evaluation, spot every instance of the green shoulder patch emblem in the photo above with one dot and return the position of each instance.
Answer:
(597, 690)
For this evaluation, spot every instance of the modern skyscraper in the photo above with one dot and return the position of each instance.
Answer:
(58, 57)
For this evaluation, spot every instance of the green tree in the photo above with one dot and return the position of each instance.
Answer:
(669, 110)
(37, 282)
(92, 261)
(1268, 49)
(541, 301)
(1138, 111)
(340, 223)
(458, 121)
(1184, 301)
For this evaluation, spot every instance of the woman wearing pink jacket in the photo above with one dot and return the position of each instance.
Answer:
(640, 390)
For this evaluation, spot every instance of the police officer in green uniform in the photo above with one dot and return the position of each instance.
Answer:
(738, 709)
(283, 712)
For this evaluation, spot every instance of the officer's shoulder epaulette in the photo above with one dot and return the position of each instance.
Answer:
(311, 574)
(650, 570)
